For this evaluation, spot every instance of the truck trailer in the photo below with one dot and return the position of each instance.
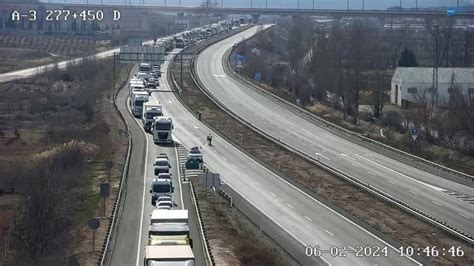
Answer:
(170, 255)
(137, 101)
(150, 111)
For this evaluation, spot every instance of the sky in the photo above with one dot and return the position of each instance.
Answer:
(330, 4)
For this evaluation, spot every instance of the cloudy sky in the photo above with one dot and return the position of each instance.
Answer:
(339, 4)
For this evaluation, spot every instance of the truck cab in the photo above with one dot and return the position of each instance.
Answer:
(169, 255)
(162, 130)
(150, 111)
(137, 101)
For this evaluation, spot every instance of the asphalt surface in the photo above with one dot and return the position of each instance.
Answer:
(132, 230)
(291, 215)
(420, 189)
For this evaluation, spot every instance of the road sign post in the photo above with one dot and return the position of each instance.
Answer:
(93, 223)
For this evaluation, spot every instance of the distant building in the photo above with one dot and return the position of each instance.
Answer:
(414, 84)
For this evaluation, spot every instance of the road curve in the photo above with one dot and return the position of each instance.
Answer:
(302, 219)
(422, 190)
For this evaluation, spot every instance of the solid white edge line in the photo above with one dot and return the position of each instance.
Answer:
(291, 185)
(179, 176)
(144, 184)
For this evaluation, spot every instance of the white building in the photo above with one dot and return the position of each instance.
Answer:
(413, 84)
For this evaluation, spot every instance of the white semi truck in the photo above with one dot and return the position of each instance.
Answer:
(169, 255)
(137, 100)
(162, 130)
(169, 216)
(150, 111)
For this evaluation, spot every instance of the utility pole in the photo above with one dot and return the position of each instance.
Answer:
(400, 4)
(436, 63)
(347, 4)
(298, 4)
(266, 3)
(363, 4)
(251, 3)
(313, 4)
(416, 5)
(181, 73)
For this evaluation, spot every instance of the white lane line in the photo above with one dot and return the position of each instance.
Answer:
(412, 192)
(289, 205)
(258, 184)
(319, 154)
(273, 194)
(328, 232)
(347, 156)
(465, 216)
(196, 127)
(307, 218)
(391, 182)
(144, 189)
(372, 173)
(223, 158)
(179, 178)
(437, 203)
(391, 170)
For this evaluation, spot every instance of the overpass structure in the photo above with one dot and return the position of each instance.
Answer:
(257, 11)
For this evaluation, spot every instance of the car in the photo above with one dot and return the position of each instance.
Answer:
(164, 176)
(164, 198)
(162, 165)
(168, 204)
(195, 153)
(162, 155)
(164, 207)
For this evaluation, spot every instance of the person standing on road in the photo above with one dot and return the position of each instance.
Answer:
(209, 139)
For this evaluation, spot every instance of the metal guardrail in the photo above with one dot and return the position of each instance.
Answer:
(106, 248)
(440, 224)
(300, 111)
(209, 256)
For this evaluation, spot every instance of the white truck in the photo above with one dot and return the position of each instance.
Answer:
(172, 255)
(162, 130)
(150, 111)
(144, 67)
(137, 100)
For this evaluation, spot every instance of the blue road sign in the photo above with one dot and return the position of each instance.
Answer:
(414, 131)
(451, 11)
(239, 57)
(257, 76)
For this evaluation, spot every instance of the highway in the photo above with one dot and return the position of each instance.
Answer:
(298, 216)
(299, 219)
(132, 233)
(420, 189)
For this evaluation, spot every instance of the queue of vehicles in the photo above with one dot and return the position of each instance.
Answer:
(169, 241)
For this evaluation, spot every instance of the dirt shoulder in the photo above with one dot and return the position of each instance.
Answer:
(380, 217)
(41, 117)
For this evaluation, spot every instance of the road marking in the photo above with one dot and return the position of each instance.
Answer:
(345, 155)
(196, 127)
(372, 173)
(465, 216)
(437, 203)
(329, 232)
(289, 205)
(144, 188)
(391, 182)
(391, 170)
(273, 194)
(223, 158)
(258, 184)
(170, 102)
(412, 192)
(307, 218)
(219, 76)
(319, 154)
